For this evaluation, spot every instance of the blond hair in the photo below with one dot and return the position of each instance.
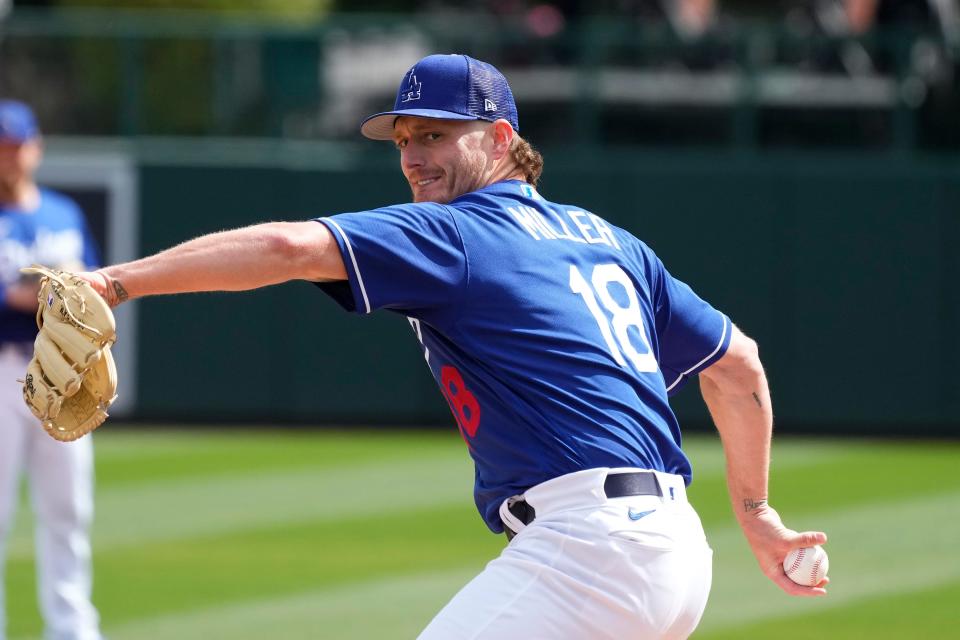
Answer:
(528, 159)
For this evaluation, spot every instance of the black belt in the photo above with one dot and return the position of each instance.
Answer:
(617, 485)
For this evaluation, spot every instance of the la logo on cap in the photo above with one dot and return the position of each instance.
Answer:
(412, 91)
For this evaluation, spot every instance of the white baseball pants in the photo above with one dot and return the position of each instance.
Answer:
(61, 491)
(589, 568)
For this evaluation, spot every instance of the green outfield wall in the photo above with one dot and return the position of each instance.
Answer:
(843, 267)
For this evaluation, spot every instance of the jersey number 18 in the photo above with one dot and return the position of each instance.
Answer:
(616, 330)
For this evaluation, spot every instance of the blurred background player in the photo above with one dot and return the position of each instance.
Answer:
(40, 226)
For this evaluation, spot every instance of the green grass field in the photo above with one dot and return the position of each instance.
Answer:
(364, 535)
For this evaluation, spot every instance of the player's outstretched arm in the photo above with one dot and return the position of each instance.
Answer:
(236, 260)
(736, 392)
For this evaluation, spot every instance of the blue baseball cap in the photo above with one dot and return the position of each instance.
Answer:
(17, 123)
(449, 87)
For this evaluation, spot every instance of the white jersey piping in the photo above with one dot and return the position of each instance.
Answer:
(723, 336)
(353, 259)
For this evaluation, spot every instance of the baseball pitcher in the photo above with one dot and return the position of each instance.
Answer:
(556, 338)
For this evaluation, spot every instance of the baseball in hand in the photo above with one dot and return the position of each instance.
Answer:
(807, 566)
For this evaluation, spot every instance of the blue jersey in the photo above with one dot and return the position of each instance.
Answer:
(555, 337)
(54, 234)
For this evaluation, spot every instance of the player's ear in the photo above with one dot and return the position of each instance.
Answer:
(502, 135)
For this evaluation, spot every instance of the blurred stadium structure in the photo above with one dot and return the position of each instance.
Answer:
(799, 162)
(806, 75)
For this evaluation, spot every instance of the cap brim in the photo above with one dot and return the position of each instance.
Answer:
(17, 139)
(379, 126)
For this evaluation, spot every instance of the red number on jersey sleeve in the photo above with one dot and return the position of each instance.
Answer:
(464, 404)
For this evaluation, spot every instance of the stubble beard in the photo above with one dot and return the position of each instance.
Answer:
(471, 172)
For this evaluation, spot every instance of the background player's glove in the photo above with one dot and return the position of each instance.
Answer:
(72, 379)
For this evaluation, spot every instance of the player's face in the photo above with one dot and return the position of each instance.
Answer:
(442, 159)
(18, 160)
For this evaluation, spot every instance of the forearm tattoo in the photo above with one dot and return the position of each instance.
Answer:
(752, 504)
(757, 398)
(120, 293)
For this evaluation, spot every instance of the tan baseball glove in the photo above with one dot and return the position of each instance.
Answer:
(72, 379)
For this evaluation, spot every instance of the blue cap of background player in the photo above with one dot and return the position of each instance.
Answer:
(451, 87)
(17, 123)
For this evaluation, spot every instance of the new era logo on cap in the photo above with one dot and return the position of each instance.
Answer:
(451, 87)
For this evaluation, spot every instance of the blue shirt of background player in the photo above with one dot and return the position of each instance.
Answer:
(53, 234)
(555, 336)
